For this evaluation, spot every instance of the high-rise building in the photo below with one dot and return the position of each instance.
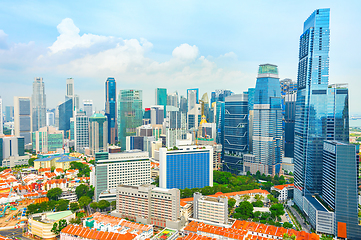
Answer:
(220, 95)
(38, 104)
(50, 117)
(88, 107)
(70, 88)
(235, 132)
(65, 111)
(288, 86)
(210, 209)
(250, 93)
(47, 139)
(22, 118)
(12, 151)
(157, 114)
(81, 131)
(311, 105)
(219, 120)
(128, 167)
(172, 99)
(98, 133)
(111, 109)
(194, 117)
(130, 114)
(161, 98)
(9, 113)
(192, 97)
(339, 189)
(267, 121)
(183, 104)
(187, 167)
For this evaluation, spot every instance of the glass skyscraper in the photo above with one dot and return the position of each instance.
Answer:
(111, 109)
(311, 104)
(130, 114)
(98, 131)
(267, 120)
(235, 132)
(38, 101)
(65, 113)
(161, 98)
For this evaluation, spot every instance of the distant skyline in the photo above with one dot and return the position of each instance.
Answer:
(159, 44)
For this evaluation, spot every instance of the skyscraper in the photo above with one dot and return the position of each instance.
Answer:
(65, 113)
(192, 97)
(311, 105)
(235, 132)
(172, 99)
(81, 131)
(267, 121)
(88, 107)
(183, 104)
(98, 133)
(9, 113)
(130, 114)
(38, 104)
(70, 88)
(161, 98)
(111, 109)
(22, 118)
(157, 114)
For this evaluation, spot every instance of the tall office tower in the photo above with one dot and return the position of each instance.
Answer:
(22, 118)
(50, 117)
(1, 116)
(340, 190)
(220, 95)
(288, 86)
(81, 131)
(70, 88)
(9, 113)
(267, 121)
(311, 105)
(38, 104)
(250, 92)
(129, 167)
(289, 101)
(337, 113)
(192, 97)
(98, 133)
(235, 132)
(187, 167)
(219, 120)
(65, 110)
(47, 139)
(172, 99)
(12, 151)
(161, 98)
(88, 107)
(130, 114)
(111, 109)
(194, 117)
(157, 114)
(183, 104)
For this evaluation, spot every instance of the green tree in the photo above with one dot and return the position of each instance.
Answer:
(81, 190)
(272, 199)
(185, 193)
(75, 221)
(257, 214)
(257, 204)
(57, 227)
(244, 211)
(92, 162)
(54, 193)
(84, 201)
(156, 181)
(288, 237)
(207, 190)
(275, 193)
(113, 204)
(231, 203)
(62, 205)
(31, 161)
(103, 204)
(94, 205)
(245, 197)
(258, 197)
(287, 225)
(74, 206)
(277, 209)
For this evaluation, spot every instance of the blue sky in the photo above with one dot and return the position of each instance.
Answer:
(173, 44)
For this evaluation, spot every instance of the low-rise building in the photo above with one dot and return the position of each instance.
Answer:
(40, 225)
(212, 209)
(55, 160)
(75, 232)
(285, 191)
(149, 204)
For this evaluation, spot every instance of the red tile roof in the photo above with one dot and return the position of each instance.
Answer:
(281, 187)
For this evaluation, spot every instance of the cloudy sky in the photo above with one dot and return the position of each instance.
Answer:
(173, 44)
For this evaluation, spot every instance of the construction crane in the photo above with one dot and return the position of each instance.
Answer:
(203, 101)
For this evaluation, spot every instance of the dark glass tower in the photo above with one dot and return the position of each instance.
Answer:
(111, 109)
(311, 105)
(267, 120)
(161, 99)
(235, 132)
(65, 113)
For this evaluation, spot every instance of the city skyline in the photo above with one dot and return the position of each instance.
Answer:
(176, 55)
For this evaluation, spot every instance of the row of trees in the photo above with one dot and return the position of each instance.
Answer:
(102, 204)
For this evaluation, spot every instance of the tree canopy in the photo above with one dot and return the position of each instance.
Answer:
(57, 227)
(244, 211)
(84, 201)
(84, 170)
(54, 193)
(102, 204)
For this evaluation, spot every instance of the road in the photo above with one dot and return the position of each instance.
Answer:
(17, 233)
(305, 227)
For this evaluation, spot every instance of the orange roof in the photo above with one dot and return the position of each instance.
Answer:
(59, 170)
(184, 201)
(44, 170)
(93, 234)
(281, 187)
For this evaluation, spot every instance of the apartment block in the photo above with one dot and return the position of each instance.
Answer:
(210, 209)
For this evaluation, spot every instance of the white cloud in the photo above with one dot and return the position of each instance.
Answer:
(69, 37)
(185, 52)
